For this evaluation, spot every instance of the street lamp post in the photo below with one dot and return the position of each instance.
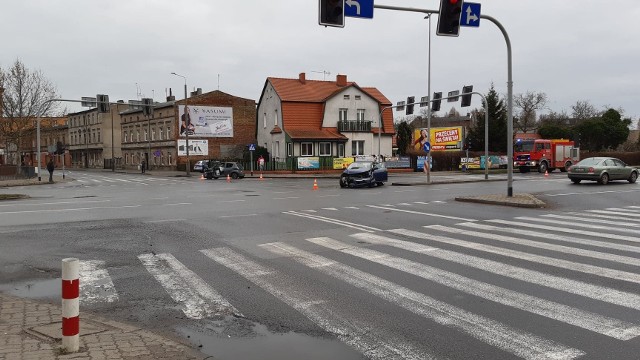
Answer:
(187, 119)
(429, 103)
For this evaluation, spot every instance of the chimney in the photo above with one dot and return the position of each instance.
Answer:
(302, 78)
(341, 80)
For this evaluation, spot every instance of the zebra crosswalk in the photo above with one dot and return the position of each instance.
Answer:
(568, 271)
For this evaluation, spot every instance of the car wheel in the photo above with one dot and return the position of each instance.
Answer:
(576, 181)
(380, 183)
(343, 181)
(234, 175)
(209, 177)
(566, 167)
(543, 167)
(633, 177)
(604, 179)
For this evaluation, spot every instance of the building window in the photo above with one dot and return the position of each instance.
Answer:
(346, 97)
(126, 159)
(357, 147)
(360, 115)
(306, 149)
(138, 135)
(289, 149)
(153, 134)
(324, 149)
(358, 97)
(160, 134)
(342, 114)
(98, 135)
(169, 136)
(145, 134)
(340, 150)
(275, 118)
(170, 158)
(264, 120)
(125, 136)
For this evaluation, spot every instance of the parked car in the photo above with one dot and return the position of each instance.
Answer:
(215, 169)
(602, 170)
(360, 173)
(199, 165)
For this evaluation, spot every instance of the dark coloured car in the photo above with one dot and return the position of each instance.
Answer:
(602, 170)
(215, 169)
(364, 173)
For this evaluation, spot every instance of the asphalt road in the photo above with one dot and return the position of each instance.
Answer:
(271, 269)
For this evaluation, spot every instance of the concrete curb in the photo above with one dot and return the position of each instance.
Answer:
(517, 200)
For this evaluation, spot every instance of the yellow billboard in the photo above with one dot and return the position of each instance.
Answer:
(441, 139)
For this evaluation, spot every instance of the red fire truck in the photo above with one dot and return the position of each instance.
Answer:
(544, 154)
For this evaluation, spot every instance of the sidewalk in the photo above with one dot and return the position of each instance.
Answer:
(32, 330)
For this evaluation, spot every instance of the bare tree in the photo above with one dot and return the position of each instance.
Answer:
(25, 94)
(529, 104)
(583, 110)
(555, 118)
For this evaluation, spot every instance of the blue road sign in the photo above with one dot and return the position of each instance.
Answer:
(252, 147)
(470, 15)
(358, 8)
(427, 146)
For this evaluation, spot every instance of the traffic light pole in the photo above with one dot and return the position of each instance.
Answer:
(509, 86)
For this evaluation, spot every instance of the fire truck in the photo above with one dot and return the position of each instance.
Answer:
(545, 154)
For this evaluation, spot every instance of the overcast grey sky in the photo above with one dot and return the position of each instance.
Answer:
(571, 50)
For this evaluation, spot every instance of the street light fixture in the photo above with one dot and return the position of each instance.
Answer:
(187, 119)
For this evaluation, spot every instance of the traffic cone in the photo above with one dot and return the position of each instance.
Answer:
(261, 178)
(315, 184)
(228, 178)
(546, 173)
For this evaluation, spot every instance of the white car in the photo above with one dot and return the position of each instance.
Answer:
(199, 165)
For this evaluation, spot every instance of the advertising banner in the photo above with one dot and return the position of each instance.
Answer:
(206, 121)
(495, 162)
(342, 163)
(442, 138)
(398, 162)
(196, 147)
(308, 163)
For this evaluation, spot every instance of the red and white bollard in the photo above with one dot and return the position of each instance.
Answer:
(71, 304)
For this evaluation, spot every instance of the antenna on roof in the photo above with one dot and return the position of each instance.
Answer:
(324, 73)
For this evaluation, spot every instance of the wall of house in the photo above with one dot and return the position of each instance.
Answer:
(338, 101)
(269, 108)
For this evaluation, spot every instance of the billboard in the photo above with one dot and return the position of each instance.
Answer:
(206, 121)
(441, 139)
(196, 147)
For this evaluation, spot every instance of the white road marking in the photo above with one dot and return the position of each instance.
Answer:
(285, 198)
(561, 229)
(546, 260)
(599, 216)
(231, 201)
(615, 328)
(73, 209)
(582, 288)
(176, 204)
(310, 211)
(552, 236)
(95, 283)
(370, 340)
(334, 221)
(504, 337)
(55, 203)
(197, 298)
(422, 213)
(234, 216)
(617, 213)
(540, 245)
(332, 209)
(570, 223)
(352, 207)
(595, 221)
(591, 193)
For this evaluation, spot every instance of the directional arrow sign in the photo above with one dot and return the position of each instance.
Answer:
(358, 8)
(470, 15)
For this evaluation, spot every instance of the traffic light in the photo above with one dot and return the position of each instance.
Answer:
(449, 18)
(410, 101)
(467, 144)
(147, 106)
(466, 96)
(331, 13)
(435, 106)
(103, 103)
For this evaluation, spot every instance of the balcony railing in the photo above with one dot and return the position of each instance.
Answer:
(354, 125)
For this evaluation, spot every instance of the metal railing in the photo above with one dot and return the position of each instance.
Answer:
(354, 125)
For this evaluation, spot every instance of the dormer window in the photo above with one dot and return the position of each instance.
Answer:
(346, 97)
(358, 97)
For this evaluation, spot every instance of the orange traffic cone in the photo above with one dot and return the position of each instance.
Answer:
(228, 178)
(261, 178)
(546, 173)
(315, 184)
(202, 177)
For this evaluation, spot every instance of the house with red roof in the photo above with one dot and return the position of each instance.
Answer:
(322, 120)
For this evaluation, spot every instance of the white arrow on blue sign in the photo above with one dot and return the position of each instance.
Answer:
(427, 146)
(358, 8)
(470, 15)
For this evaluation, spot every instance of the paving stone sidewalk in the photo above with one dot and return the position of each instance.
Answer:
(31, 330)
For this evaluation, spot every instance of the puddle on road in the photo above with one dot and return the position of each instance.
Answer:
(258, 342)
(35, 289)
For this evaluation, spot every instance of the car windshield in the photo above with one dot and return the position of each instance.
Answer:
(590, 162)
(360, 165)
